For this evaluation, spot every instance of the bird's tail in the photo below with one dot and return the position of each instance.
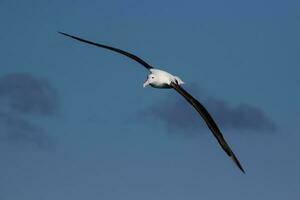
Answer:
(178, 80)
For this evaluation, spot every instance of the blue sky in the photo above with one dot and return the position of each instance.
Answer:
(76, 123)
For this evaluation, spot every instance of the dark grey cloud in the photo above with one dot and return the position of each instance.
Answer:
(24, 98)
(179, 116)
(27, 94)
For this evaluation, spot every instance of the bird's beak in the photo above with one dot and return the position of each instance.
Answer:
(146, 83)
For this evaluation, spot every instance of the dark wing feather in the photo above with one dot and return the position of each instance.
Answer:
(134, 57)
(210, 123)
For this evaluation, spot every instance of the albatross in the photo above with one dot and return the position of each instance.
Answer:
(161, 79)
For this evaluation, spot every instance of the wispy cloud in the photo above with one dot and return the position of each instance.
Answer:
(23, 98)
(178, 116)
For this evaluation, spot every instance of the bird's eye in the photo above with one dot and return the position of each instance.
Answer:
(152, 77)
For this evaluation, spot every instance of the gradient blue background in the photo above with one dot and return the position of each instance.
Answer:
(239, 51)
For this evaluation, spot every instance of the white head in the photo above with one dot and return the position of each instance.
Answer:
(152, 78)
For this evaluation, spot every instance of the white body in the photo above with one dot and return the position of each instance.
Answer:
(161, 79)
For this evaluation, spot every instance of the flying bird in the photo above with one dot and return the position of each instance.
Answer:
(161, 79)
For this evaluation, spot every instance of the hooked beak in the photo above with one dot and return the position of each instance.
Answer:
(146, 83)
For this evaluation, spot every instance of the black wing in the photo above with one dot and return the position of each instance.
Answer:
(134, 57)
(209, 121)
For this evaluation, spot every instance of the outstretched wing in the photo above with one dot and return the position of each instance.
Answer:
(134, 57)
(209, 121)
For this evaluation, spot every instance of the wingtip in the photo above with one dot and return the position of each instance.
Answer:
(241, 168)
(62, 33)
(238, 164)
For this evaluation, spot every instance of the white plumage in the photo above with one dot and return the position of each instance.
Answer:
(161, 79)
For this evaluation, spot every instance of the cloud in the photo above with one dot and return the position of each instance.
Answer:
(26, 94)
(179, 116)
(22, 99)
